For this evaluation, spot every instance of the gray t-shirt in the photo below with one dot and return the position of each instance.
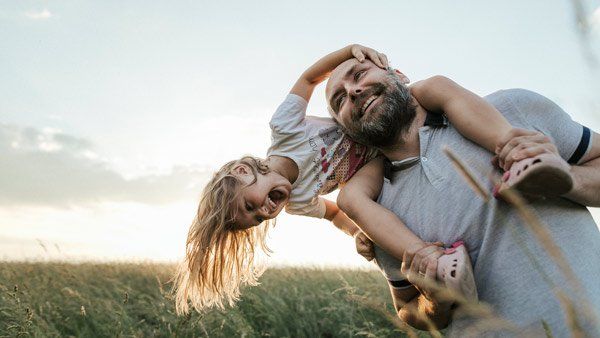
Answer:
(513, 272)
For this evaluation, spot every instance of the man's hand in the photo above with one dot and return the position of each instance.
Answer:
(364, 246)
(519, 144)
(419, 265)
(360, 52)
(428, 307)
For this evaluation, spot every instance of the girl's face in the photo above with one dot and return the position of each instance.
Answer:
(262, 200)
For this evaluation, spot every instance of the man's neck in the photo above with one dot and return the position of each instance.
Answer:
(408, 143)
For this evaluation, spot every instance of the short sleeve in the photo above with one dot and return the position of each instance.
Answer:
(538, 112)
(289, 115)
(316, 208)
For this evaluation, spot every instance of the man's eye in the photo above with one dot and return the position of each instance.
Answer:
(358, 74)
(340, 100)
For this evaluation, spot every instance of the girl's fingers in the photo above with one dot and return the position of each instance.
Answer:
(358, 54)
(374, 56)
(384, 60)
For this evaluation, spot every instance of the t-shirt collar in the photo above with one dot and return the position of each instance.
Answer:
(433, 120)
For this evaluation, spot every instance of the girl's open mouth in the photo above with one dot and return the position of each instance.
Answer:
(275, 198)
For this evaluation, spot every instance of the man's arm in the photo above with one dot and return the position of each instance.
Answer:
(586, 177)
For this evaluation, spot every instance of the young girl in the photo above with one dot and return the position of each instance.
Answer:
(310, 156)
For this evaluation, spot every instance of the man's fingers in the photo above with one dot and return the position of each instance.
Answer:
(406, 261)
(423, 266)
(525, 151)
(415, 265)
(509, 146)
(495, 161)
(517, 140)
(515, 132)
(431, 272)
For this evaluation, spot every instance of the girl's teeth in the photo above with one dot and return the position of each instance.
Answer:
(272, 204)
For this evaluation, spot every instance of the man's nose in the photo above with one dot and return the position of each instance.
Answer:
(354, 92)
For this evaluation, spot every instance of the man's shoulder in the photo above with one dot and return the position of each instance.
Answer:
(519, 98)
(516, 96)
(520, 104)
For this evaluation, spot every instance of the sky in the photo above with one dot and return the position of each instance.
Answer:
(114, 114)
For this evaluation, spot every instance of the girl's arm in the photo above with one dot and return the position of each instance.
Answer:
(382, 226)
(357, 199)
(339, 218)
(472, 116)
(321, 69)
(364, 246)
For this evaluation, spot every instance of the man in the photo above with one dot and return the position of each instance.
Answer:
(513, 272)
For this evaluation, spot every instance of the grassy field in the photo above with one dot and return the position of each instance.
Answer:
(111, 300)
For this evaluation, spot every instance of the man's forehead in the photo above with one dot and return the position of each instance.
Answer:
(338, 74)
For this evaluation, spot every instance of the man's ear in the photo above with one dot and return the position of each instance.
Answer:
(403, 78)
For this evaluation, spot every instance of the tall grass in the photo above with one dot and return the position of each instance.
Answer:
(112, 300)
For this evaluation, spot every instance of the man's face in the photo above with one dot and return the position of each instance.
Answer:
(373, 106)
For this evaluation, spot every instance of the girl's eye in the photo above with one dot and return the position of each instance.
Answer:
(260, 220)
(248, 207)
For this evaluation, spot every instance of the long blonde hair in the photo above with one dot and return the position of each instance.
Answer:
(219, 259)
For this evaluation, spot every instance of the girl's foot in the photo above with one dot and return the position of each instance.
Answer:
(454, 270)
(543, 175)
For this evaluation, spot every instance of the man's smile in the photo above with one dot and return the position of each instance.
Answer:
(366, 106)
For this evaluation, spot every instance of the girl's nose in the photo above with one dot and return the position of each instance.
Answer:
(263, 211)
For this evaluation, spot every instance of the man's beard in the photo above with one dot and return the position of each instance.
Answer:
(387, 122)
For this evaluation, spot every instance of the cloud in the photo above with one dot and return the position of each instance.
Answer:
(595, 20)
(50, 168)
(45, 14)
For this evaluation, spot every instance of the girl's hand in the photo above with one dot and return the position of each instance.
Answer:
(519, 144)
(364, 246)
(361, 52)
